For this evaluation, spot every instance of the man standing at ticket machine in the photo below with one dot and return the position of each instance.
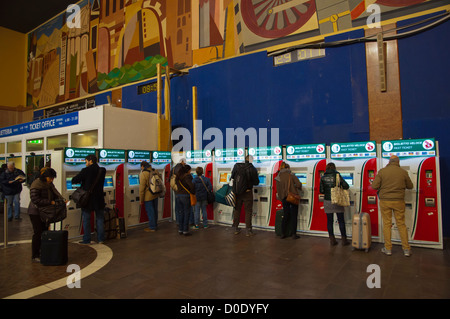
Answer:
(391, 182)
(244, 176)
(92, 178)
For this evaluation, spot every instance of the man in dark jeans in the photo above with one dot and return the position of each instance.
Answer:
(11, 180)
(246, 198)
(87, 177)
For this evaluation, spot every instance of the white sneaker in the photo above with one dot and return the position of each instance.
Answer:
(407, 252)
(386, 251)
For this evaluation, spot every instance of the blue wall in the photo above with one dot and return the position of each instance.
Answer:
(424, 79)
(322, 100)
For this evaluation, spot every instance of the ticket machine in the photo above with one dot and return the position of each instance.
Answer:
(134, 212)
(161, 162)
(68, 163)
(267, 161)
(308, 163)
(113, 161)
(420, 158)
(224, 161)
(204, 159)
(357, 164)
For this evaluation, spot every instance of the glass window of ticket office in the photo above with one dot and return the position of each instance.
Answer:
(17, 161)
(57, 141)
(34, 145)
(2, 148)
(85, 139)
(14, 147)
(34, 164)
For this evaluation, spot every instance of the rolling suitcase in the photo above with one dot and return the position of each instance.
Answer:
(361, 232)
(54, 247)
(278, 220)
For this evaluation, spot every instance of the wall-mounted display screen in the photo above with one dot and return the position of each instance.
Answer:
(348, 178)
(133, 179)
(224, 178)
(301, 177)
(69, 184)
(108, 181)
(262, 180)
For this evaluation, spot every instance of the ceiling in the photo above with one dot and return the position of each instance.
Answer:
(25, 15)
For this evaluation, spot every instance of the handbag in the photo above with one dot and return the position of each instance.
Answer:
(210, 198)
(221, 194)
(192, 196)
(53, 213)
(340, 196)
(292, 197)
(81, 196)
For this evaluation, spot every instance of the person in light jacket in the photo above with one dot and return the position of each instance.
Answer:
(391, 182)
(149, 200)
(287, 182)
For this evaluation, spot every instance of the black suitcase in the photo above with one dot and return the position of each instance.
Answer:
(54, 247)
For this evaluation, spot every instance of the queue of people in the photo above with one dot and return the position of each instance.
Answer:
(390, 182)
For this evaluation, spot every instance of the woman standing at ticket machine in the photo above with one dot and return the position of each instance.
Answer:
(288, 183)
(327, 182)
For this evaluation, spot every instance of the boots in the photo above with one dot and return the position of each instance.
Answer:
(345, 242)
(333, 241)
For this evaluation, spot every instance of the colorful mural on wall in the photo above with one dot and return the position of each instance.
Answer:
(118, 42)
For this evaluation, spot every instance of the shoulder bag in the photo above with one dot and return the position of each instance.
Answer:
(340, 196)
(210, 194)
(291, 197)
(193, 198)
(81, 196)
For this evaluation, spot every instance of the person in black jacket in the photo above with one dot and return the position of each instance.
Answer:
(87, 177)
(185, 187)
(11, 180)
(327, 182)
(246, 198)
(42, 193)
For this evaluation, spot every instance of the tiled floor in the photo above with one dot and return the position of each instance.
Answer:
(215, 263)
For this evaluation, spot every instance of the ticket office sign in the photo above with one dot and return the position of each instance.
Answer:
(409, 148)
(354, 150)
(298, 153)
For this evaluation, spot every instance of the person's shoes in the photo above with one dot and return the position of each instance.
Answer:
(386, 251)
(149, 230)
(237, 231)
(206, 226)
(180, 233)
(249, 233)
(345, 242)
(282, 237)
(84, 243)
(9, 219)
(18, 218)
(333, 241)
(196, 227)
(187, 234)
(295, 236)
(407, 252)
(35, 260)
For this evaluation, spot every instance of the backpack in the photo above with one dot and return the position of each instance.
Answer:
(241, 178)
(173, 183)
(155, 183)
